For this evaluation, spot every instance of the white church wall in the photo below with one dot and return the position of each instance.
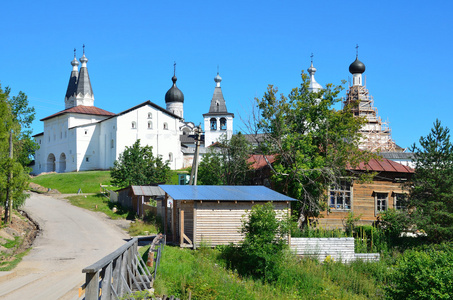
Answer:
(108, 143)
(87, 137)
(163, 134)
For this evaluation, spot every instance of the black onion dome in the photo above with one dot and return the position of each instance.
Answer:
(357, 67)
(174, 94)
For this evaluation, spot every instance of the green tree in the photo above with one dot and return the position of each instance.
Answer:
(10, 124)
(313, 142)
(138, 166)
(24, 115)
(226, 162)
(431, 187)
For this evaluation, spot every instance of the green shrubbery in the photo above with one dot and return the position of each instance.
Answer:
(423, 274)
(262, 248)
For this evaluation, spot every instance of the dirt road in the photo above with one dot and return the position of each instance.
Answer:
(71, 238)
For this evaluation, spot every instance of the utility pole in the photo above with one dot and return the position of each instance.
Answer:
(9, 207)
(194, 173)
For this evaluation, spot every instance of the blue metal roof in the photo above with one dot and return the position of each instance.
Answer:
(223, 193)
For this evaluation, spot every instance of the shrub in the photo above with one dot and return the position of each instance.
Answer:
(423, 275)
(260, 252)
(392, 223)
(350, 223)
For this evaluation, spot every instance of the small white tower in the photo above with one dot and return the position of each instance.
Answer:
(218, 121)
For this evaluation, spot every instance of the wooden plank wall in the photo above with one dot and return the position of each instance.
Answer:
(220, 223)
(363, 203)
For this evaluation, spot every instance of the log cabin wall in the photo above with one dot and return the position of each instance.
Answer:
(364, 202)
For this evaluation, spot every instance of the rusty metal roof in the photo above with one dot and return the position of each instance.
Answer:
(223, 193)
(258, 161)
(82, 109)
(383, 165)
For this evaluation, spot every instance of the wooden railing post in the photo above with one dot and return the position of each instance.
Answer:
(107, 283)
(92, 286)
(181, 227)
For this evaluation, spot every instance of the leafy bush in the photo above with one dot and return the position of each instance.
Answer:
(262, 248)
(423, 275)
(350, 223)
(393, 222)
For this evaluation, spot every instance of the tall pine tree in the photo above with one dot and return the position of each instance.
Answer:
(431, 188)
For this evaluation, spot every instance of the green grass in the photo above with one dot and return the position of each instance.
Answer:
(12, 243)
(201, 273)
(140, 227)
(100, 203)
(88, 182)
(9, 265)
(70, 183)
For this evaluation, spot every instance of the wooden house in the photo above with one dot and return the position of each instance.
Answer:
(367, 200)
(212, 214)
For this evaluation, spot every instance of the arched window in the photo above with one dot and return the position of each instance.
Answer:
(133, 125)
(223, 124)
(170, 156)
(150, 115)
(165, 126)
(213, 124)
(217, 106)
(150, 125)
(112, 144)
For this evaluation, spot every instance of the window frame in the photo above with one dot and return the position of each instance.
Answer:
(338, 192)
(395, 201)
(378, 208)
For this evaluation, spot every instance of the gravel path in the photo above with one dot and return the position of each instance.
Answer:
(71, 238)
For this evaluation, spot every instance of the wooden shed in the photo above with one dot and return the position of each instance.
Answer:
(212, 214)
(137, 198)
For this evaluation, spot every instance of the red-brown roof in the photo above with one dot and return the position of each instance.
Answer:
(257, 160)
(81, 109)
(383, 165)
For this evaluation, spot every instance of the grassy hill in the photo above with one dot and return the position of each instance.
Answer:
(88, 182)
(70, 183)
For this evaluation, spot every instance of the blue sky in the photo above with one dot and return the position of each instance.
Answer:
(131, 46)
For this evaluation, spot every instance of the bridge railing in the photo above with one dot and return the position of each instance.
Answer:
(121, 272)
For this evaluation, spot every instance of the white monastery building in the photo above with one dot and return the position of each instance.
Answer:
(84, 137)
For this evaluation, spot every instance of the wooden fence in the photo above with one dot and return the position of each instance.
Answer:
(122, 272)
(339, 249)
